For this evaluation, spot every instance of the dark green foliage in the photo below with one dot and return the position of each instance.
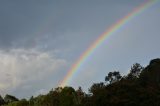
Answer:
(150, 76)
(10, 98)
(96, 87)
(22, 102)
(141, 87)
(67, 96)
(1, 101)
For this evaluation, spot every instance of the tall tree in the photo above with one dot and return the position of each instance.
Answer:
(135, 71)
(113, 77)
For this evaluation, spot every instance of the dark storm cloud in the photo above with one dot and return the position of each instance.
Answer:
(19, 20)
(24, 22)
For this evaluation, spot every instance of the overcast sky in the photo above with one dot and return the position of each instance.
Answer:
(41, 39)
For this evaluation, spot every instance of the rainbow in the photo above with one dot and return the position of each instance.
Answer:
(114, 28)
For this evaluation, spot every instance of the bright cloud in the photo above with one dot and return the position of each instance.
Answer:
(18, 67)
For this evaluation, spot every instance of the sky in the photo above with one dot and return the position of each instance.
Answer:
(41, 39)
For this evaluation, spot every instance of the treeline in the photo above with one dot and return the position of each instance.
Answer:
(140, 87)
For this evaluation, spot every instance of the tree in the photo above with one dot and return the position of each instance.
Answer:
(31, 101)
(67, 96)
(113, 77)
(79, 96)
(1, 101)
(135, 71)
(151, 74)
(96, 87)
(10, 98)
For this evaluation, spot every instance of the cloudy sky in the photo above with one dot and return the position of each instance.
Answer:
(41, 39)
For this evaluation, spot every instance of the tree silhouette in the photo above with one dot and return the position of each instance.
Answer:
(1, 101)
(135, 71)
(113, 77)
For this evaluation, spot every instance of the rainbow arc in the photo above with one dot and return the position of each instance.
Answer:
(114, 28)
